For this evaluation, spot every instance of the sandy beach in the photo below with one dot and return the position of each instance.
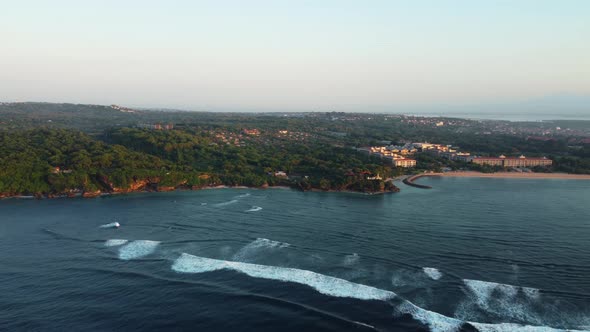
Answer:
(515, 175)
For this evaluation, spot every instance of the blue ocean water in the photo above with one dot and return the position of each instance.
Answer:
(470, 254)
(508, 116)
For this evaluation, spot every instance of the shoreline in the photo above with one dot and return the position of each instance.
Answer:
(511, 175)
(180, 189)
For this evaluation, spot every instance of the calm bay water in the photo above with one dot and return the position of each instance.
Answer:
(487, 251)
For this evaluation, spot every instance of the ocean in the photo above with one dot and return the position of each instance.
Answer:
(470, 254)
(508, 116)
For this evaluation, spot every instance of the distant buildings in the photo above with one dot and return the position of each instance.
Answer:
(157, 126)
(122, 109)
(251, 132)
(393, 154)
(504, 161)
(398, 155)
(444, 151)
(404, 162)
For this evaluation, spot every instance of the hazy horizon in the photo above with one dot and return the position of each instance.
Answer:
(391, 56)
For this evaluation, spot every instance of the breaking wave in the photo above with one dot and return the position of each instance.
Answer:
(110, 225)
(324, 284)
(531, 293)
(337, 287)
(137, 249)
(115, 242)
(435, 321)
(254, 209)
(501, 301)
(251, 250)
(432, 273)
(510, 327)
(484, 290)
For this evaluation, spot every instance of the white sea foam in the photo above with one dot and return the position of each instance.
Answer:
(115, 242)
(243, 195)
(500, 300)
(226, 203)
(351, 259)
(511, 327)
(251, 250)
(337, 287)
(324, 284)
(138, 249)
(531, 293)
(432, 273)
(254, 209)
(435, 321)
(110, 225)
(483, 290)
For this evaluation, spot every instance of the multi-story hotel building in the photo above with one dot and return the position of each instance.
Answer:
(521, 161)
(404, 162)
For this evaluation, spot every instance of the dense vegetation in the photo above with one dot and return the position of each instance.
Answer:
(29, 158)
(64, 148)
(59, 161)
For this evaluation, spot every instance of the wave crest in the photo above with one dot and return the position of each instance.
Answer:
(137, 249)
(337, 287)
(432, 273)
(110, 225)
(324, 284)
(115, 242)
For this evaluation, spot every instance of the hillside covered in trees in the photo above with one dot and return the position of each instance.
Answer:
(64, 162)
(66, 149)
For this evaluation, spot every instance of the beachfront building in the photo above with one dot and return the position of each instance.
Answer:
(462, 156)
(404, 162)
(401, 161)
(492, 161)
(504, 161)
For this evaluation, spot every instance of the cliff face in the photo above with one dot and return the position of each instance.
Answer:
(154, 184)
(138, 185)
(91, 194)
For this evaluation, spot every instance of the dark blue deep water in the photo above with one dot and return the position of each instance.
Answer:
(502, 254)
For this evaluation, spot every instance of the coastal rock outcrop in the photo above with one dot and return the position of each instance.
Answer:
(91, 194)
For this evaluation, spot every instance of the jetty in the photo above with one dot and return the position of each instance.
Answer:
(410, 181)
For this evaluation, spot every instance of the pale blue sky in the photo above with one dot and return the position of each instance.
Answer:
(294, 55)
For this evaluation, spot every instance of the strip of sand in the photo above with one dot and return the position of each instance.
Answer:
(515, 175)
